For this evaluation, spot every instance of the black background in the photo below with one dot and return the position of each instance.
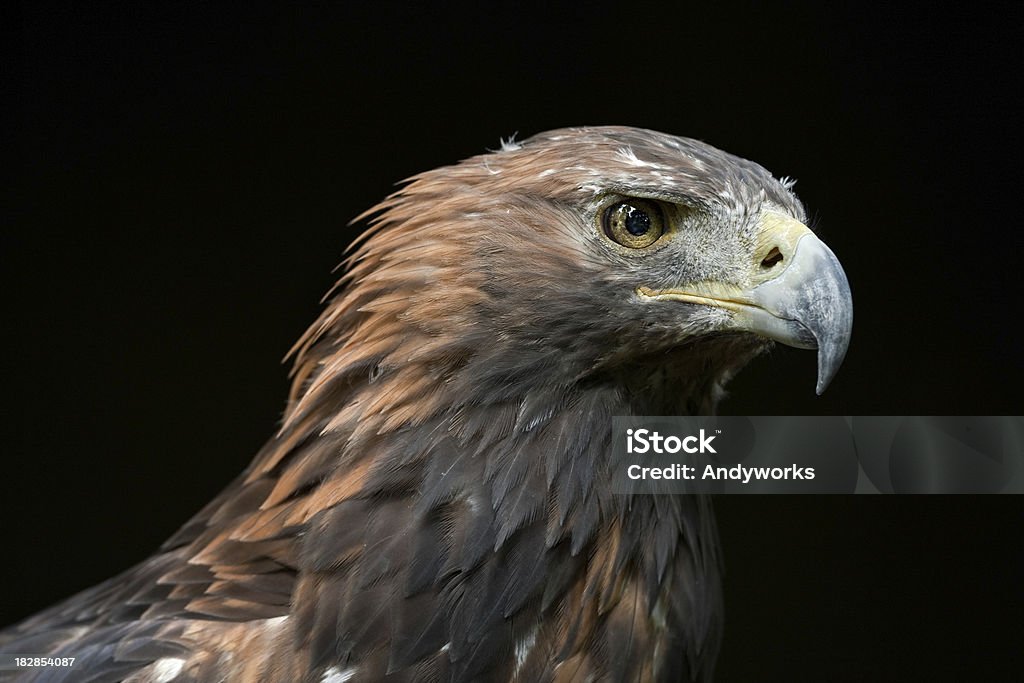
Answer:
(183, 180)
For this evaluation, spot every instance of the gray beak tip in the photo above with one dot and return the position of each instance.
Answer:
(830, 357)
(823, 383)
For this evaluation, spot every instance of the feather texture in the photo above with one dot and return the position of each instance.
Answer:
(436, 505)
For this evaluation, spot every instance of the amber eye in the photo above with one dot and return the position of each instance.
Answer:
(634, 223)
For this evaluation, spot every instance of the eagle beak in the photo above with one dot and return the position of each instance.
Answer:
(799, 296)
(808, 305)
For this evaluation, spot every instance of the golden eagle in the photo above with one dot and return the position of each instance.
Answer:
(436, 505)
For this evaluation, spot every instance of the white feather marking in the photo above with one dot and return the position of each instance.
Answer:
(664, 177)
(523, 648)
(545, 174)
(510, 145)
(629, 156)
(332, 675)
(274, 623)
(167, 668)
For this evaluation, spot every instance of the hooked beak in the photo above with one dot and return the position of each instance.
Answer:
(800, 295)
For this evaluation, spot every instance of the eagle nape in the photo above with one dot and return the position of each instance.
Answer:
(437, 504)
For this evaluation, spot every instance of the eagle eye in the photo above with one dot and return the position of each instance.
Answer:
(634, 223)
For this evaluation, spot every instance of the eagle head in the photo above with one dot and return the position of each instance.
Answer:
(609, 255)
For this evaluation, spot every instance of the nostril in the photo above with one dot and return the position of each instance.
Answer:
(774, 256)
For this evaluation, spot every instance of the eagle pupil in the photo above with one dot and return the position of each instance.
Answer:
(637, 221)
